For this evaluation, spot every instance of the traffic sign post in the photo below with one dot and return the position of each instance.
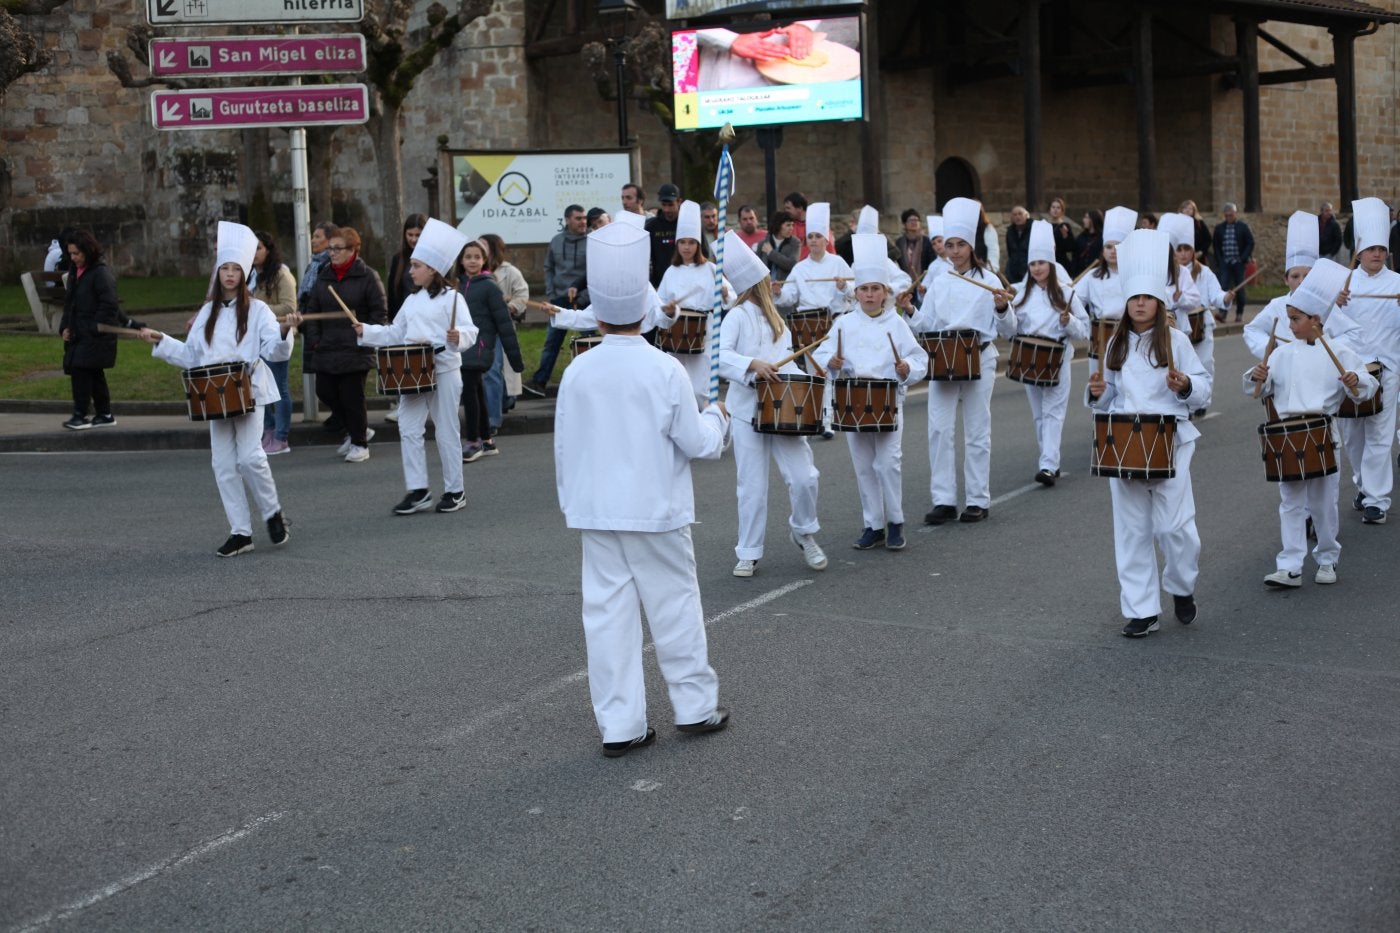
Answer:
(262, 12)
(235, 107)
(240, 56)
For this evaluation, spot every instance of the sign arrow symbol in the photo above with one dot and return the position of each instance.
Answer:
(165, 7)
(170, 111)
(167, 59)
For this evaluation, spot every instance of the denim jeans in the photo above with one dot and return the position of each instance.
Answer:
(277, 417)
(553, 342)
(494, 381)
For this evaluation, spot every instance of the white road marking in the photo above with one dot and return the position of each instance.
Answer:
(151, 871)
(645, 786)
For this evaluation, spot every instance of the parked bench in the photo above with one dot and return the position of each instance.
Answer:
(45, 291)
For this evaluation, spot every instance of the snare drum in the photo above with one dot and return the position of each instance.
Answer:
(579, 345)
(1035, 361)
(687, 335)
(1351, 408)
(1197, 320)
(1298, 448)
(953, 355)
(792, 405)
(865, 405)
(808, 327)
(1133, 446)
(1101, 332)
(406, 370)
(224, 390)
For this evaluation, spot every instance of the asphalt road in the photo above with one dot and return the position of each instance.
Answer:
(385, 725)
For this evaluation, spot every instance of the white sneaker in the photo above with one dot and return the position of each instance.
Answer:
(1284, 578)
(745, 568)
(811, 551)
(357, 454)
(369, 435)
(344, 447)
(393, 414)
(1326, 573)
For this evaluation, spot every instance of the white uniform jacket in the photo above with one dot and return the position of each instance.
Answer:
(1103, 297)
(424, 319)
(625, 431)
(262, 341)
(803, 294)
(951, 304)
(1379, 318)
(1338, 328)
(864, 342)
(583, 319)
(1303, 379)
(1039, 318)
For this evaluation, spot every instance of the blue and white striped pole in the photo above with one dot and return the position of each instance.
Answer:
(724, 186)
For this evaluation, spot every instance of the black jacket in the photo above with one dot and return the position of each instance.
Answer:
(1244, 242)
(332, 342)
(491, 316)
(1018, 244)
(91, 299)
(663, 245)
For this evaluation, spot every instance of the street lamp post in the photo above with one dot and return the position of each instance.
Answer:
(617, 13)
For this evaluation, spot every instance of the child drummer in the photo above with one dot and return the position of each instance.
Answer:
(1303, 379)
(1150, 368)
(435, 315)
(874, 342)
(752, 339)
(234, 327)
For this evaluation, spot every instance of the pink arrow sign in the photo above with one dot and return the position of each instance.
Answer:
(234, 56)
(234, 107)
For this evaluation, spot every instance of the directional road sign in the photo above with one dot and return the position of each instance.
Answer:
(235, 56)
(272, 12)
(233, 107)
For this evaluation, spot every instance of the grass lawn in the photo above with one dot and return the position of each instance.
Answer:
(135, 295)
(31, 367)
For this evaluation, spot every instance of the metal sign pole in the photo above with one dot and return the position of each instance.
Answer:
(301, 222)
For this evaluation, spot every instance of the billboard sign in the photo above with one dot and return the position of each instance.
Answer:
(521, 196)
(690, 9)
(266, 12)
(234, 107)
(237, 56)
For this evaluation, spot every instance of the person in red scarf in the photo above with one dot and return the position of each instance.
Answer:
(340, 362)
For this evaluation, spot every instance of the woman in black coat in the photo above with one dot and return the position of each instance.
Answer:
(91, 299)
(491, 316)
(340, 361)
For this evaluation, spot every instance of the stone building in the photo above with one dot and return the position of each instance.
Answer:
(1012, 101)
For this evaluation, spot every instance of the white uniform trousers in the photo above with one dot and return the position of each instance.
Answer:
(976, 398)
(1161, 511)
(1367, 443)
(447, 430)
(877, 458)
(238, 457)
(1048, 405)
(794, 458)
(1205, 350)
(1296, 501)
(623, 573)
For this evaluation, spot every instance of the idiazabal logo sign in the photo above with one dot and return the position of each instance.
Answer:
(513, 188)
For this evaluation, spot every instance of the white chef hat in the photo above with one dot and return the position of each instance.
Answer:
(1302, 243)
(869, 221)
(1320, 288)
(439, 245)
(1370, 220)
(742, 267)
(1118, 223)
(870, 259)
(688, 221)
(934, 222)
(629, 219)
(1041, 247)
(617, 260)
(236, 244)
(1179, 227)
(819, 219)
(960, 217)
(1142, 262)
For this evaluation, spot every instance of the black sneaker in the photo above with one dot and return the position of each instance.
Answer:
(534, 390)
(711, 723)
(77, 423)
(941, 514)
(1185, 608)
(417, 500)
(489, 449)
(1045, 477)
(1373, 515)
(618, 749)
(869, 537)
(235, 545)
(975, 513)
(1359, 502)
(102, 421)
(894, 537)
(452, 501)
(1138, 628)
(277, 530)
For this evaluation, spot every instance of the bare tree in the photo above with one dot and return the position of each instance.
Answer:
(20, 52)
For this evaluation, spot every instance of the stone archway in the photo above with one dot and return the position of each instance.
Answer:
(955, 178)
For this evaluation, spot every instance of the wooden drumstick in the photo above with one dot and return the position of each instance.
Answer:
(1092, 266)
(816, 367)
(1386, 297)
(1268, 351)
(119, 331)
(1341, 370)
(1355, 261)
(994, 291)
(840, 354)
(893, 349)
(453, 325)
(807, 349)
(343, 306)
(318, 316)
(1245, 282)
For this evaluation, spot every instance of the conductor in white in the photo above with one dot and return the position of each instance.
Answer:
(625, 430)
